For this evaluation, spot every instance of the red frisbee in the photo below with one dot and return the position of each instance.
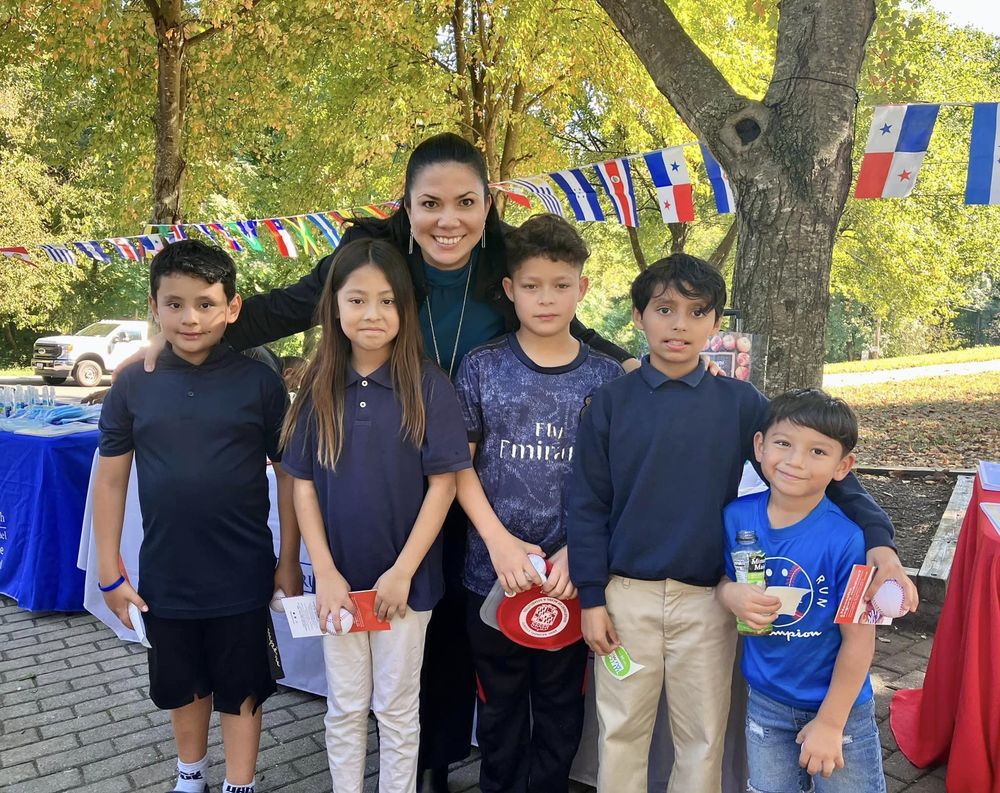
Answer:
(535, 619)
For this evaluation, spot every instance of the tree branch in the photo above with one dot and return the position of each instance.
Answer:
(242, 13)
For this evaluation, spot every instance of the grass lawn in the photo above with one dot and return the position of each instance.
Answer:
(930, 359)
(945, 422)
(16, 372)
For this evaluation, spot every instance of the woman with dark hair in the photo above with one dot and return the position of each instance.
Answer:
(448, 229)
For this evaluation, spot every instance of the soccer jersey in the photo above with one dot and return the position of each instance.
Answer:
(811, 559)
(524, 419)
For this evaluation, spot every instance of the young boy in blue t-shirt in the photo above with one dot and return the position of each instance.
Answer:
(522, 396)
(200, 429)
(810, 715)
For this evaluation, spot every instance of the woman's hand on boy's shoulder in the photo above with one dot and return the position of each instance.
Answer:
(822, 747)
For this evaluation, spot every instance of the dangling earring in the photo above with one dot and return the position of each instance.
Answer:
(483, 243)
(410, 249)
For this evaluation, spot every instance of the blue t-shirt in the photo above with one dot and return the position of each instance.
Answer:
(524, 419)
(369, 503)
(794, 663)
(201, 436)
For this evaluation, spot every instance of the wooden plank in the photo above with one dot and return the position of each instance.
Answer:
(881, 470)
(932, 579)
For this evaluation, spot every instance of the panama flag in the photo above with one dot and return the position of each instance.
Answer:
(286, 246)
(616, 179)
(669, 172)
(543, 192)
(897, 143)
(92, 249)
(125, 248)
(724, 201)
(983, 183)
(59, 253)
(320, 221)
(152, 243)
(227, 235)
(580, 193)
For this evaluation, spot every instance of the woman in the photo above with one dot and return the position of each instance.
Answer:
(453, 239)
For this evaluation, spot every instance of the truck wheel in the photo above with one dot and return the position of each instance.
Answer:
(88, 374)
(53, 380)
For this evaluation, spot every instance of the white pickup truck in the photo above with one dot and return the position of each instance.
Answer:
(89, 354)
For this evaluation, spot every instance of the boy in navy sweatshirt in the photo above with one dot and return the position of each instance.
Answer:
(659, 453)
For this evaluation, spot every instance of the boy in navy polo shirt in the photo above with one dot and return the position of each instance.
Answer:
(808, 677)
(522, 395)
(659, 453)
(200, 428)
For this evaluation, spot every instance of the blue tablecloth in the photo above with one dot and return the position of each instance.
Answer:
(43, 489)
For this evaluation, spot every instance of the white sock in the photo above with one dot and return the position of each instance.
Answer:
(229, 787)
(191, 777)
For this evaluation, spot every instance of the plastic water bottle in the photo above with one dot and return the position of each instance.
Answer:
(749, 561)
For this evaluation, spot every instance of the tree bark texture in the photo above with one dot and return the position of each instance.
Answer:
(168, 168)
(788, 158)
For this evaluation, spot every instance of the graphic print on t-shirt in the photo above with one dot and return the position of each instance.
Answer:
(798, 591)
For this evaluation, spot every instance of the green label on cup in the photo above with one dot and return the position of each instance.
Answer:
(620, 664)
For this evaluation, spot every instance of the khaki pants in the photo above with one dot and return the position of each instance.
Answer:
(378, 671)
(685, 640)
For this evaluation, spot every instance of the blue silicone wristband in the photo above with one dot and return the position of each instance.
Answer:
(109, 587)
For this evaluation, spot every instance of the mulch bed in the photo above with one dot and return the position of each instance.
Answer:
(915, 504)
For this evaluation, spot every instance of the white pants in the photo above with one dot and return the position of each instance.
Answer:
(378, 671)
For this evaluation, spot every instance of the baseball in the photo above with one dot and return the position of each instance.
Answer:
(276, 604)
(889, 599)
(346, 623)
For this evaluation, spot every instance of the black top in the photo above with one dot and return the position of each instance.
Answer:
(656, 460)
(201, 435)
(291, 309)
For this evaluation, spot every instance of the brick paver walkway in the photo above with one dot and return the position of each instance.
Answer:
(74, 716)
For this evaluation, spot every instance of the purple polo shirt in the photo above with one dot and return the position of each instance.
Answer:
(370, 502)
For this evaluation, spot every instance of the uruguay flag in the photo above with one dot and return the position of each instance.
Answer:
(616, 178)
(669, 172)
(983, 183)
(59, 253)
(329, 230)
(897, 144)
(724, 201)
(580, 193)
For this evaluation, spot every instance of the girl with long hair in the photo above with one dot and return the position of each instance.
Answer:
(373, 443)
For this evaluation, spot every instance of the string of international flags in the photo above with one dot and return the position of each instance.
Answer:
(897, 144)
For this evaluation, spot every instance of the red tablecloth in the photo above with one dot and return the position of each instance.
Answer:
(955, 717)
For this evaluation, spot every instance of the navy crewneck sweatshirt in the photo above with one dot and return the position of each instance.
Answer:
(656, 460)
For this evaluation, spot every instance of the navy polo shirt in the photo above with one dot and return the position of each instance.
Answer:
(656, 461)
(370, 502)
(201, 436)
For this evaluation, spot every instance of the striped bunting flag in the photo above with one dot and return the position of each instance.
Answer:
(580, 193)
(286, 246)
(93, 249)
(616, 179)
(982, 184)
(724, 201)
(227, 235)
(59, 253)
(544, 193)
(125, 248)
(329, 230)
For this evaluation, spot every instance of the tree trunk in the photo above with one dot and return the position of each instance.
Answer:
(788, 158)
(633, 239)
(168, 170)
(678, 236)
(724, 247)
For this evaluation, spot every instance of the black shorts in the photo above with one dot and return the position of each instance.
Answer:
(231, 658)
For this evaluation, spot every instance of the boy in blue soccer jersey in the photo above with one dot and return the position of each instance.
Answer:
(810, 715)
(522, 396)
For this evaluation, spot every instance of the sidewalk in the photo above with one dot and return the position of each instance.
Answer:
(74, 716)
(910, 373)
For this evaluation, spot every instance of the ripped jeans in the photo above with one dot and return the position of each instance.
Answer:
(773, 755)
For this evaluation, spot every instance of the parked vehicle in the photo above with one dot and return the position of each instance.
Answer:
(89, 354)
